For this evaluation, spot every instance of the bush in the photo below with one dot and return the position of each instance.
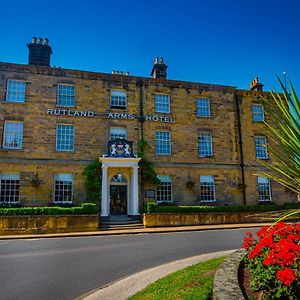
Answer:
(84, 209)
(274, 261)
(153, 207)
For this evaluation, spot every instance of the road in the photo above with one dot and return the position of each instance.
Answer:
(66, 268)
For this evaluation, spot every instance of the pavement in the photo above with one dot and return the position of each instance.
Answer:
(128, 286)
(135, 231)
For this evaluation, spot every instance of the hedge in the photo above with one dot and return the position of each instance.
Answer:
(153, 207)
(84, 209)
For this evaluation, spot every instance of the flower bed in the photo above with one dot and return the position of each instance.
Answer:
(273, 261)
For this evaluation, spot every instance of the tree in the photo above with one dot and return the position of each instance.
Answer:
(92, 174)
(284, 131)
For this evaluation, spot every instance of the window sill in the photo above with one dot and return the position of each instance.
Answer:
(205, 117)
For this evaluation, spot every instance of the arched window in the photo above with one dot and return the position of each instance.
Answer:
(118, 178)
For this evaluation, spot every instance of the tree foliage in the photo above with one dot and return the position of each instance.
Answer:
(284, 131)
(146, 166)
(93, 180)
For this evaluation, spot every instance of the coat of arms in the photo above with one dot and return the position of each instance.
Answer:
(120, 148)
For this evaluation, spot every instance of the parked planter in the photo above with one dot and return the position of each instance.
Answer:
(179, 219)
(47, 224)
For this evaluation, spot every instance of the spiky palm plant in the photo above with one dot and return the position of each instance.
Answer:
(283, 129)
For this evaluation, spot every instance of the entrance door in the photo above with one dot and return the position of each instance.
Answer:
(118, 200)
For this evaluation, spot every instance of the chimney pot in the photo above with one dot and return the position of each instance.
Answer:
(113, 72)
(156, 60)
(255, 85)
(127, 73)
(159, 69)
(39, 52)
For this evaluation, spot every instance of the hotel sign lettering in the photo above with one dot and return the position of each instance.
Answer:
(121, 116)
(153, 118)
(70, 113)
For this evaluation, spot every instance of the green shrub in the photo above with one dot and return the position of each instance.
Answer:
(84, 209)
(153, 207)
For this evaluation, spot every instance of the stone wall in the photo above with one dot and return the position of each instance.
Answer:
(47, 224)
(181, 219)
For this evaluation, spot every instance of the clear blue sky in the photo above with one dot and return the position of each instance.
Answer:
(223, 42)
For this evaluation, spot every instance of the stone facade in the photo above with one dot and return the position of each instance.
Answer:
(94, 118)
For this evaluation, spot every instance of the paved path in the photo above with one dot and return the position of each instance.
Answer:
(135, 231)
(66, 268)
(124, 288)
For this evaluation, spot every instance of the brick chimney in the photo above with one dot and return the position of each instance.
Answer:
(159, 69)
(39, 52)
(255, 85)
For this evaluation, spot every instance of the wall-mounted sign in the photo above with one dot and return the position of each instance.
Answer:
(120, 148)
(70, 113)
(153, 118)
(90, 114)
(150, 194)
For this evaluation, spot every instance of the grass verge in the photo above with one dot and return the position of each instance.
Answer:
(194, 282)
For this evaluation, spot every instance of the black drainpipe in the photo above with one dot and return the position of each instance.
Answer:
(141, 121)
(238, 99)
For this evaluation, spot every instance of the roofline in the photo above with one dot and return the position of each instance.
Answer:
(58, 71)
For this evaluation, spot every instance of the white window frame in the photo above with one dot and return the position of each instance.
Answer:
(118, 132)
(258, 116)
(203, 107)
(165, 189)
(62, 177)
(264, 184)
(260, 151)
(61, 93)
(16, 92)
(72, 135)
(205, 148)
(12, 188)
(17, 134)
(118, 99)
(162, 103)
(208, 181)
(163, 142)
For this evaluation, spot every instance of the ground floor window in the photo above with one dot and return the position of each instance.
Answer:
(9, 187)
(207, 188)
(164, 191)
(63, 188)
(264, 189)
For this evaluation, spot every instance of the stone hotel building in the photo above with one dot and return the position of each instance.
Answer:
(204, 140)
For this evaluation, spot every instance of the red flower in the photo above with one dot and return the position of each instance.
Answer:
(286, 276)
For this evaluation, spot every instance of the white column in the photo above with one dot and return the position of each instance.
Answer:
(135, 191)
(104, 199)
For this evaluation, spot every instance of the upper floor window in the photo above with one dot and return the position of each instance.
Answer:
(203, 107)
(118, 99)
(163, 143)
(64, 137)
(207, 188)
(260, 151)
(264, 188)
(13, 135)
(9, 187)
(164, 191)
(162, 103)
(66, 95)
(15, 91)
(205, 144)
(258, 113)
(63, 188)
(117, 133)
